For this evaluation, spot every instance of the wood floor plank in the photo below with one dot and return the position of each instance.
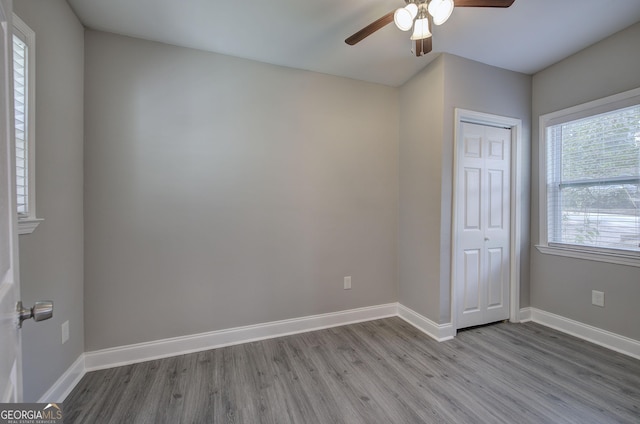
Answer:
(382, 371)
(553, 379)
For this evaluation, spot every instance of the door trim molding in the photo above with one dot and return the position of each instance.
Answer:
(515, 125)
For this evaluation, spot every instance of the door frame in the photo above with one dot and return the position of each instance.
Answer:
(515, 125)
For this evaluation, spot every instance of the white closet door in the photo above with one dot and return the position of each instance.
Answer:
(482, 227)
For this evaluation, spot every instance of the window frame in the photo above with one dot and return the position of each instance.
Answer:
(596, 107)
(28, 223)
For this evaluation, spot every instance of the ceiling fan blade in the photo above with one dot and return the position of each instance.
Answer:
(424, 46)
(483, 3)
(370, 29)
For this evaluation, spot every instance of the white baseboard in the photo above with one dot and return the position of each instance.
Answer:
(141, 352)
(525, 314)
(65, 384)
(124, 355)
(587, 332)
(440, 332)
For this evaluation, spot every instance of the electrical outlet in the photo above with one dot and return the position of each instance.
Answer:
(597, 298)
(347, 283)
(65, 331)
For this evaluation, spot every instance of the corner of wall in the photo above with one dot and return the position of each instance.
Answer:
(421, 111)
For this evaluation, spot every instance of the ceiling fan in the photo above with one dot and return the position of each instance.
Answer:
(419, 14)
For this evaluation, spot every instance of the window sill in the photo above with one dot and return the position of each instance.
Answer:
(613, 258)
(28, 225)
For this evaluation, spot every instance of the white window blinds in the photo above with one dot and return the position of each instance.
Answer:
(593, 181)
(20, 101)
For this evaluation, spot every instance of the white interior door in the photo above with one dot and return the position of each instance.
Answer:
(483, 225)
(10, 354)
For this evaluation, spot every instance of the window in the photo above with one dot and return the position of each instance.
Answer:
(590, 196)
(24, 111)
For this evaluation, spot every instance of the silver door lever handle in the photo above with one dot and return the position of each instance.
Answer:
(487, 239)
(40, 311)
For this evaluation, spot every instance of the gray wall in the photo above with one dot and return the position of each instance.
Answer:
(51, 258)
(222, 192)
(427, 105)
(563, 285)
(421, 116)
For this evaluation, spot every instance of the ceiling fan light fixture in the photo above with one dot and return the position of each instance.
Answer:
(413, 9)
(403, 16)
(421, 29)
(440, 10)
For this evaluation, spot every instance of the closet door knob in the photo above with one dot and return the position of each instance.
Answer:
(39, 312)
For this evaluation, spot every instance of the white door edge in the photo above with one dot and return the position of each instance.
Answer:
(10, 351)
(515, 125)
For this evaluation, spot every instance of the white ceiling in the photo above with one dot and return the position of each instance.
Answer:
(309, 34)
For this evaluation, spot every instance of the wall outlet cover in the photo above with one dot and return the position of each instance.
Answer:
(65, 332)
(597, 298)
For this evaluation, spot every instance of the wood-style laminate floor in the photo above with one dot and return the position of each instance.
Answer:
(382, 371)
